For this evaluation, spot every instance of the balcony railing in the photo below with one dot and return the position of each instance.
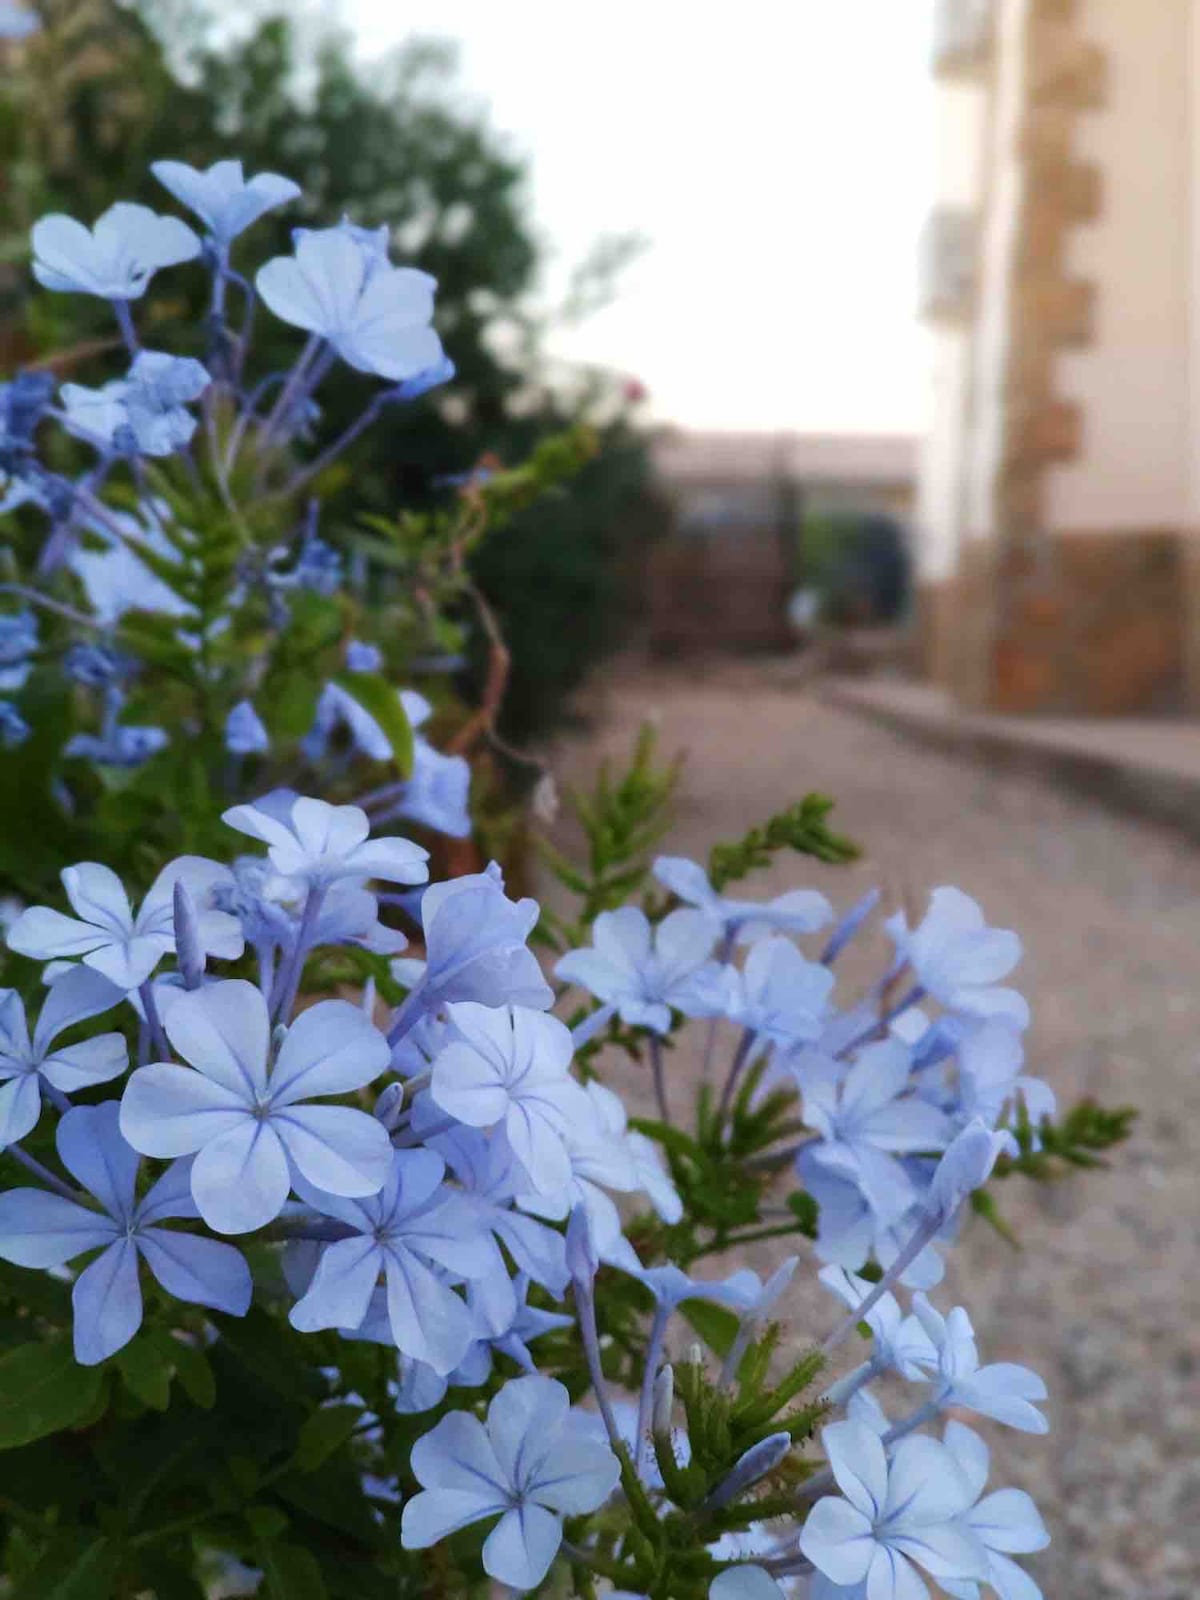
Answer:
(962, 36)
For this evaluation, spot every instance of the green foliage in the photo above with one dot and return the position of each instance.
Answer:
(802, 828)
(622, 820)
(108, 87)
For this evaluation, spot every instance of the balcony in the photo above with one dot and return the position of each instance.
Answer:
(962, 37)
(946, 277)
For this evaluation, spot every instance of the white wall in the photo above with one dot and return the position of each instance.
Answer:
(960, 119)
(1133, 382)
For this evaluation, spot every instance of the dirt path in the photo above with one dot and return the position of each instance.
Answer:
(1104, 1300)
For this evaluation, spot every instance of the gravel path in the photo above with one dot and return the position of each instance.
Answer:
(1104, 1300)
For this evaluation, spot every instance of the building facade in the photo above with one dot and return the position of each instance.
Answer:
(1059, 487)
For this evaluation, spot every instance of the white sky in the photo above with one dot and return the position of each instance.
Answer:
(774, 153)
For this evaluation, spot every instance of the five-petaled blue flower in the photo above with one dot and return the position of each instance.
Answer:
(38, 1229)
(245, 1118)
(116, 258)
(533, 1462)
(224, 199)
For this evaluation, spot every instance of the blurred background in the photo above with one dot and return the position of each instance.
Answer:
(886, 315)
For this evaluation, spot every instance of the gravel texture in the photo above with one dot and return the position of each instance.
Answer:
(1104, 1298)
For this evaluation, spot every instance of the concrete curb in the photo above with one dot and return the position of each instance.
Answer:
(1143, 769)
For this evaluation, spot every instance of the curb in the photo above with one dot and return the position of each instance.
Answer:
(1157, 792)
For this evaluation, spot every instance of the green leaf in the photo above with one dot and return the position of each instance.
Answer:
(43, 1389)
(266, 1522)
(324, 1433)
(291, 1573)
(715, 1325)
(191, 1368)
(146, 1370)
(72, 1571)
(381, 700)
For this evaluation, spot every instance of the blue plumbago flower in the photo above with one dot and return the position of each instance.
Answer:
(116, 258)
(378, 318)
(958, 959)
(868, 1116)
(966, 1165)
(38, 1229)
(534, 1462)
(744, 1583)
(800, 911)
(320, 843)
(16, 22)
(373, 244)
(124, 745)
(115, 578)
(489, 1180)
(23, 403)
(24, 1061)
(895, 1513)
(121, 947)
(509, 1069)
(645, 972)
(1003, 1391)
(419, 1235)
(990, 1080)
(1006, 1523)
(779, 995)
(14, 730)
(850, 1232)
(245, 1118)
(337, 708)
(362, 657)
(600, 1161)
(96, 665)
(319, 568)
(225, 200)
(900, 1343)
(475, 945)
(670, 1286)
(245, 734)
(18, 642)
(145, 411)
(438, 794)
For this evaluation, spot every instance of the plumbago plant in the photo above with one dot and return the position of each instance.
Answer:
(179, 629)
(341, 1291)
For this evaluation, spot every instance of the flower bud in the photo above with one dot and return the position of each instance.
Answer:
(388, 1106)
(760, 1459)
(189, 951)
(966, 1166)
(583, 1262)
(663, 1402)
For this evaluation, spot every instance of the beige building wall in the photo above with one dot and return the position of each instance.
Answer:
(1063, 578)
(1131, 381)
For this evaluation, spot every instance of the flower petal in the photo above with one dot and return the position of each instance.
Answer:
(329, 1049)
(202, 1271)
(96, 1153)
(107, 1298)
(429, 1517)
(339, 1295)
(44, 1230)
(521, 1547)
(224, 1030)
(241, 1180)
(174, 1111)
(340, 1150)
(20, 1108)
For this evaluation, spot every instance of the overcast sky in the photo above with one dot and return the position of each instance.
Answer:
(774, 153)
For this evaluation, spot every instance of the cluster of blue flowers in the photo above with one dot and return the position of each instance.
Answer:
(237, 436)
(419, 1173)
